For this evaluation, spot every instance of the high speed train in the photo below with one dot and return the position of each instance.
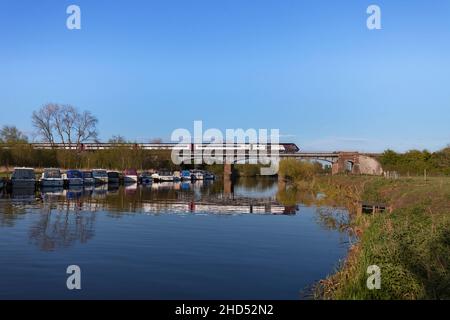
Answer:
(281, 147)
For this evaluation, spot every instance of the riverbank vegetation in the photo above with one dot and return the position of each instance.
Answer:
(116, 158)
(410, 242)
(415, 162)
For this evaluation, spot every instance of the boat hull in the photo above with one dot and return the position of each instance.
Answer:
(52, 183)
(130, 179)
(146, 180)
(166, 178)
(74, 182)
(101, 180)
(23, 183)
(88, 181)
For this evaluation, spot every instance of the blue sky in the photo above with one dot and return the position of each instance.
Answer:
(310, 68)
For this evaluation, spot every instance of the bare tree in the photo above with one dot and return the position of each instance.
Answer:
(66, 123)
(69, 116)
(85, 127)
(43, 122)
(58, 122)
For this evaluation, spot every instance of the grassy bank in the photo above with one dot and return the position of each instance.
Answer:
(411, 244)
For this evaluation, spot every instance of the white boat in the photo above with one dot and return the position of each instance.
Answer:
(130, 176)
(176, 176)
(52, 178)
(100, 176)
(165, 176)
(23, 178)
(155, 176)
(74, 178)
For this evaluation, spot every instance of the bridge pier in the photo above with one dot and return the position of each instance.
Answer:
(227, 170)
(346, 162)
(228, 179)
(227, 186)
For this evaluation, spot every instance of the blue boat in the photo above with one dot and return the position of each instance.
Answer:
(146, 178)
(186, 175)
(74, 178)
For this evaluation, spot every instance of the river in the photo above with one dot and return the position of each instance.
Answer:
(165, 241)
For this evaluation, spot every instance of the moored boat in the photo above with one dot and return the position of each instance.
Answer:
(23, 178)
(176, 176)
(130, 176)
(208, 175)
(88, 179)
(155, 176)
(113, 177)
(186, 175)
(100, 176)
(146, 178)
(74, 178)
(52, 178)
(197, 175)
(165, 175)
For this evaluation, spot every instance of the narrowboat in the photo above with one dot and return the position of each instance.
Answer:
(100, 176)
(52, 178)
(88, 179)
(113, 177)
(23, 178)
(130, 176)
(74, 178)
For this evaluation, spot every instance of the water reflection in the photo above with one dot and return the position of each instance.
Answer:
(55, 230)
(249, 196)
(181, 240)
(67, 214)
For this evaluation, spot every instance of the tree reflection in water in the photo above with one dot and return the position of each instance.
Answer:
(61, 224)
(332, 213)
